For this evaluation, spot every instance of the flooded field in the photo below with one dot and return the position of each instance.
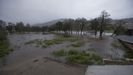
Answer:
(102, 47)
(25, 54)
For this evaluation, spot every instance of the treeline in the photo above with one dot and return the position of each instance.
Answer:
(4, 43)
(21, 27)
(67, 27)
(100, 24)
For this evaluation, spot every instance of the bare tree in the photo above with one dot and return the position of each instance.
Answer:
(94, 24)
(103, 22)
(119, 28)
(81, 22)
(59, 26)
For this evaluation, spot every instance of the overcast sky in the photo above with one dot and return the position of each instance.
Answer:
(38, 11)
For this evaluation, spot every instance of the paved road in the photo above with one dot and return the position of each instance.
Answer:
(110, 70)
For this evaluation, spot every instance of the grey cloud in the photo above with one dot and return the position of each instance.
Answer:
(36, 11)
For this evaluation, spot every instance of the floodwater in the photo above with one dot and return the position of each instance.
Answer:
(25, 52)
(106, 50)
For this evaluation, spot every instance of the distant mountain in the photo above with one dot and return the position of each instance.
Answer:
(49, 23)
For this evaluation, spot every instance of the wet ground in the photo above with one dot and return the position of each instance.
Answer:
(42, 66)
(21, 59)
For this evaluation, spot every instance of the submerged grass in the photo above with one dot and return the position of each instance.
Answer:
(78, 44)
(57, 40)
(59, 53)
(116, 44)
(128, 53)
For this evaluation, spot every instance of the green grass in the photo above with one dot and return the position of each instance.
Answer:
(79, 57)
(4, 48)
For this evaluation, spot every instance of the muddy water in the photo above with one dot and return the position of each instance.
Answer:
(105, 49)
(24, 52)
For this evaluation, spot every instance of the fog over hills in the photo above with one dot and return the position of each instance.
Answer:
(39, 11)
(127, 20)
(49, 22)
